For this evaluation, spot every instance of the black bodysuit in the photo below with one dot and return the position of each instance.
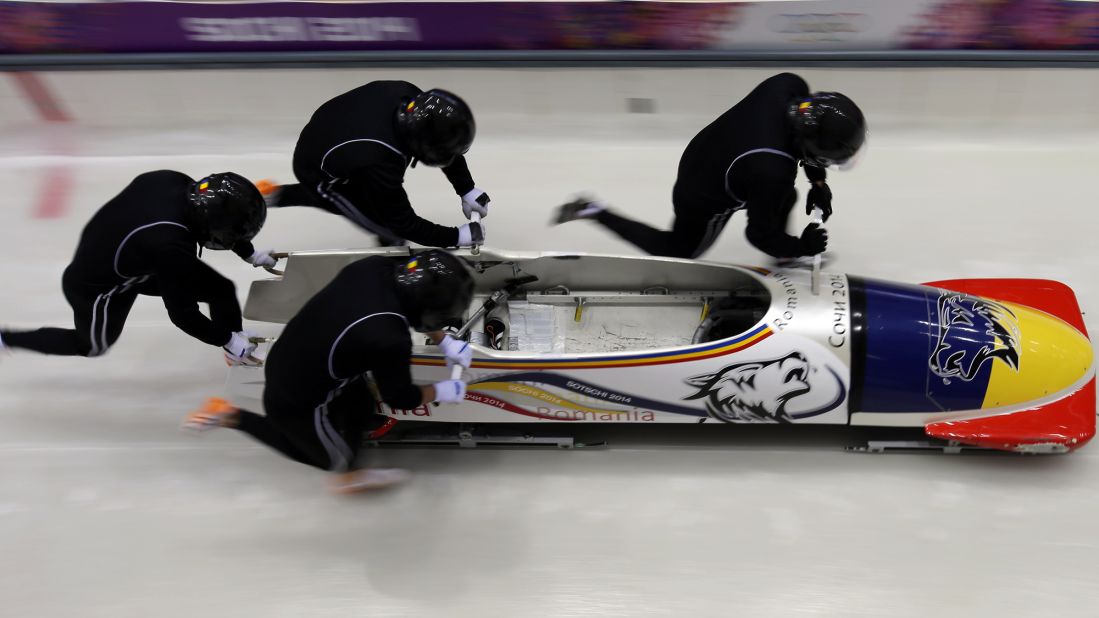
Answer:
(350, 161)
(316, 396)
(139, 243)
(746, 159)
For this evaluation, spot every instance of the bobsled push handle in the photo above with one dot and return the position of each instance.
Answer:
(475, 217)
(272, 269)
(818, 218)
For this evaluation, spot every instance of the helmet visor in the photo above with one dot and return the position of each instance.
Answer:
(436, 158)
(441, 154)
(436, 318)
(226, 235)
(823, 159)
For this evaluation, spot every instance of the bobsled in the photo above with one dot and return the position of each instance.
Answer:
(572, 338)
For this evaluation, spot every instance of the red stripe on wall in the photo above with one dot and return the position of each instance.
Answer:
(35, 90)
(53, 198)
(56, 180)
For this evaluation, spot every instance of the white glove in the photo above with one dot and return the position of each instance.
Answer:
(264, 258)
(476, 201)
(470, 234)
(239, 350)
(450, 391)
(457, 352)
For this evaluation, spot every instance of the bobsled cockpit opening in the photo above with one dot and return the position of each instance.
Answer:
(731, 315)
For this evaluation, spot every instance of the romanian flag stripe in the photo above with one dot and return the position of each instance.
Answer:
(702, 352)
(488, 400)
(594, 391)
(541, 395)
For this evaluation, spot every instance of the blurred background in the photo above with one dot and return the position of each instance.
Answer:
(983, 140)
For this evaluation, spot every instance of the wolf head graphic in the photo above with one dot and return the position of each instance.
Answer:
(973, 331)
(756, 391)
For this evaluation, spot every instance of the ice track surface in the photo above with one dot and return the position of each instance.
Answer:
(106, 509)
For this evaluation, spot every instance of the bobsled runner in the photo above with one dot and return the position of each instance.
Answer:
(573, 338)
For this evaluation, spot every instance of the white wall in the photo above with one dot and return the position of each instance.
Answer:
(256, 106)
(996, 151)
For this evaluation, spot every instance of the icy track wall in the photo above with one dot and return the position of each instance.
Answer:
(258, 107)
(970, 172)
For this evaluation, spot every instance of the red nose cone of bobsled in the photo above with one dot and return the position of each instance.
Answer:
(1064, 425)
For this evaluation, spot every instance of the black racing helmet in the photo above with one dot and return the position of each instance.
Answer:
(830, 128)
(437, 126)
(435, 287)
(226, 208)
